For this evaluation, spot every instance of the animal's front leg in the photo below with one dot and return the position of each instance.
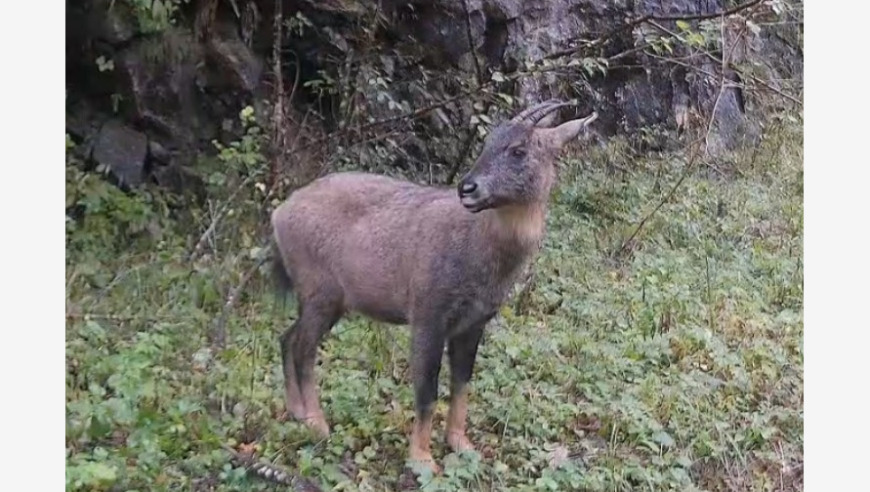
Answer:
(462, 351)
(427, 347)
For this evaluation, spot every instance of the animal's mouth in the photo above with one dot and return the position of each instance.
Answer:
(474, 205)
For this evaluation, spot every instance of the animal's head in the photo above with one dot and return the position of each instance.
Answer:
(517, 165)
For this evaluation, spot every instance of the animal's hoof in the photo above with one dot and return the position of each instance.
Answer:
(295, 411)
(420, 458)
(317, 423)
(418, 465)
(296, 414)
(459, 442)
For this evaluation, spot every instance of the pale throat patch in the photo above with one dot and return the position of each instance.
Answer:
(524, 222)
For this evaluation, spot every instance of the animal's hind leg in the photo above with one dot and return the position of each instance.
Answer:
(292, 394)
(299, 349)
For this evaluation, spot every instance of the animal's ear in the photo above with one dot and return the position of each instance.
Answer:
(569, 130)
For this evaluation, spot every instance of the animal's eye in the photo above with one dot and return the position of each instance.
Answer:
(518, 151)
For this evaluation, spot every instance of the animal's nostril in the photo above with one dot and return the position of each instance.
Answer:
(467, 188)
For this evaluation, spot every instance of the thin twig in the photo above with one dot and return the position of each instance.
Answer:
(683, 64)
(296, 77)
(235, 8)
(200, 244)
(712, 15)
(629, 52)
(219, 331)
(689, 166)
(767, 85)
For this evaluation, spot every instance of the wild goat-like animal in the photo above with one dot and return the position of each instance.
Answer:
(402, 253)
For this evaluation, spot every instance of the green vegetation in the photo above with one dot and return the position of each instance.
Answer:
(672, 364)
(153, 15)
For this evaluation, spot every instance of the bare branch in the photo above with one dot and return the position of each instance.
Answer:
(197, 249)
(219, 330)
(689, 166)
(713, 15)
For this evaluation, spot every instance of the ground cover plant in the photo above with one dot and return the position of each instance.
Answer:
(671, 361)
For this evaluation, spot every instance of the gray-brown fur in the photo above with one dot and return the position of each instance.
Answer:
(442, 260)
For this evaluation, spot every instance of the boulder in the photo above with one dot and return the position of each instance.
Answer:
(158, 82)
(123, 151)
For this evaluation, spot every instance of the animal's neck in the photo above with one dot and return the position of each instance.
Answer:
(521, 226)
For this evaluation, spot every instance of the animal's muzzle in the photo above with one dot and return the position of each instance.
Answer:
(467, 188)
(473, 194)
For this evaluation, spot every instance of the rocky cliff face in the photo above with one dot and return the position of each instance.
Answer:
(145, 103)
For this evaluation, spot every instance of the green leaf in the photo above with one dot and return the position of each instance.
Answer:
(507, 98)
(663, 438)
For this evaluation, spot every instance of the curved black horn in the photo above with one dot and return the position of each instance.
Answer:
(524, 114)
(539, 111)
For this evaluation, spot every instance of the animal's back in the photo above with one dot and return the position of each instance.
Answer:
(348, 200)
(358, 231)
(353, 193)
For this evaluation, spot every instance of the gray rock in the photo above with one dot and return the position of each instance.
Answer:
(236, 67)
(731, 128)
(159, 84)
(157, 152)
(122, 150)
(83, 123)
(180, 180)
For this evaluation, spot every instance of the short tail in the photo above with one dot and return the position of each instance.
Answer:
(283, 282)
